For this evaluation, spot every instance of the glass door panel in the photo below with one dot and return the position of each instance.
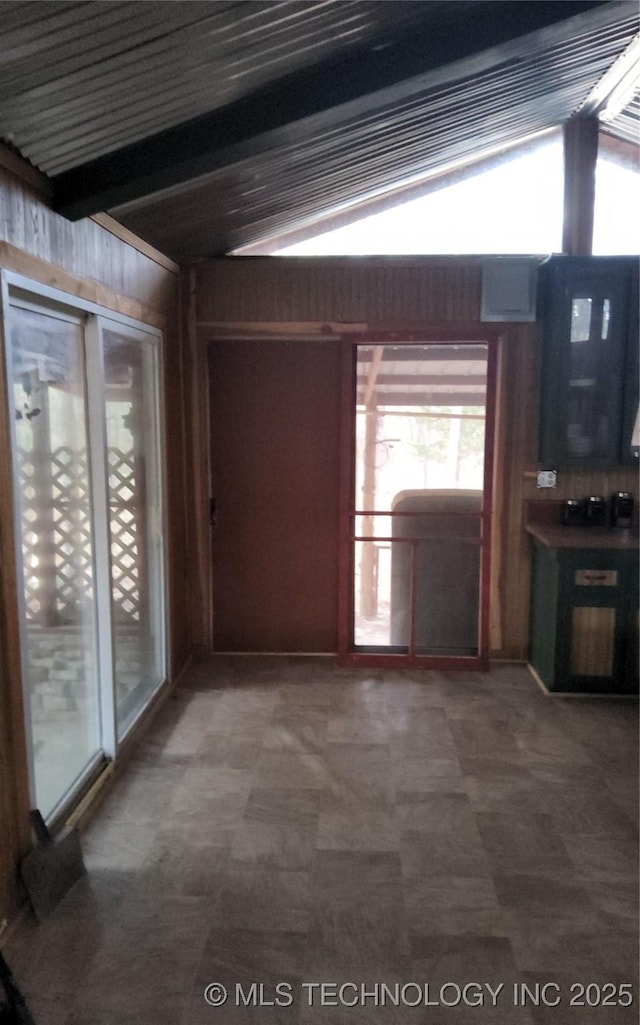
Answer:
(592, 352)
(134, 497)
(56, 535)
(418, 504)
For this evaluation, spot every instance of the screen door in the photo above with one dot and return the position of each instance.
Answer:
(419, 522)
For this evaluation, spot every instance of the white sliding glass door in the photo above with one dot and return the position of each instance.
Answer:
(134, 495)
(84, 394)
(55, 517)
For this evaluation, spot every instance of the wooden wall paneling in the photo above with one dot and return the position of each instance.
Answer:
(574, 483)
(520, 420)
(85, 249)
(12, 258)
(526, 420)
(177, 510)
(197, 466)
(21, 169)
(12, 205)
(382, 293)
(119, 230)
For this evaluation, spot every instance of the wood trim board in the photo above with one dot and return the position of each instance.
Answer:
(54, 276)
(125, 235)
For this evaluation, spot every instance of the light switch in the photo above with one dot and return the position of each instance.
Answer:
(546, 479)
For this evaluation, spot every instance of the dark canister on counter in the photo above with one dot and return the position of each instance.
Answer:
(595, 511)
(573, 512)
(621, 509)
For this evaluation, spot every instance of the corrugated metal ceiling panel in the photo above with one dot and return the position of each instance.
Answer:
(78, 80)
(83, 79)
(626, 125)
(297, 184)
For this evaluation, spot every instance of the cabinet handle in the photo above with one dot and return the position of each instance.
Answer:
(606, 577)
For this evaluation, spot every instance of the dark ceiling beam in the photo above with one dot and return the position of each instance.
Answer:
(372, 375)
(326, 95)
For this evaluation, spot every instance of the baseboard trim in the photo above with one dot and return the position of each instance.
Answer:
(578, 694)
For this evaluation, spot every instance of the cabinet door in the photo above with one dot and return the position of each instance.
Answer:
(630, 652)
(597, 640)
(585, 322)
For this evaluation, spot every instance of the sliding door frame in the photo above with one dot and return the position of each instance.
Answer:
(19, 291)
(348, 655)
(98, 472)
(136, 332)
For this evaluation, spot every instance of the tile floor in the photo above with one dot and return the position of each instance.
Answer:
(288, 821)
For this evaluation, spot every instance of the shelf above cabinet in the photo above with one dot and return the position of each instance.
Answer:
(585, 538)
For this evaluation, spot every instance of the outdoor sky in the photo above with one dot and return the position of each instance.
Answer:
(515, 208)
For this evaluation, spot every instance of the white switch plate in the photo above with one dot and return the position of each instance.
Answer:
(546, 479)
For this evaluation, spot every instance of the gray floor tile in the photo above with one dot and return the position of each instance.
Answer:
(443, 854)
(436, 813)
(289, 820)
(264, 899)
(274, 845)
(277, 806)
(556, 995)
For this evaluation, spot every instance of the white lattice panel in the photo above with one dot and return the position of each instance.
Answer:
(56, 535)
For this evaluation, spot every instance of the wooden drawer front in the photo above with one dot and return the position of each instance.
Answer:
(596, 578)
(592, 641)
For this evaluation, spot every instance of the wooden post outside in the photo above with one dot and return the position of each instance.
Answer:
(580, 156)
(346, 501)
(368, 563)
(368, 568)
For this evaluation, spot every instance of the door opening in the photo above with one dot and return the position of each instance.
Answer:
(418, 530)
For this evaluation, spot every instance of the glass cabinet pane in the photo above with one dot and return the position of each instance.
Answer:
(588, 310)
(592, 416)
(580, 320)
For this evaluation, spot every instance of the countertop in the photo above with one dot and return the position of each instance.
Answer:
(589, 538)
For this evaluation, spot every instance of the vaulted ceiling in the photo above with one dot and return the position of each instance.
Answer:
(207, 126)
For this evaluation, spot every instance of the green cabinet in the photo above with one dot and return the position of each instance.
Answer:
(587, 313)
(584, 619)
